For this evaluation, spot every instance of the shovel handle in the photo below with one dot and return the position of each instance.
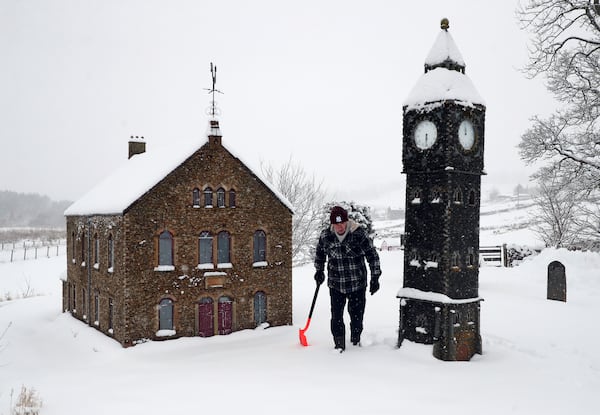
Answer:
(312, 306)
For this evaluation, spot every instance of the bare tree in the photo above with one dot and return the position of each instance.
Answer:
(557, 213)
(565, 49)
(307, 196)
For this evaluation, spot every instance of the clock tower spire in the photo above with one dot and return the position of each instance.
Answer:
(442, 155)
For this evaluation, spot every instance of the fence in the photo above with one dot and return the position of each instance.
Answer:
(494, 256)
(27, 250)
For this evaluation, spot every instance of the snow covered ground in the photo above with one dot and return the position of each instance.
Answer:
(539, 356)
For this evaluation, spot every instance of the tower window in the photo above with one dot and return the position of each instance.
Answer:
(472, 198)
(457, 197)
(416, 196)
(455, 260)
(471, 258)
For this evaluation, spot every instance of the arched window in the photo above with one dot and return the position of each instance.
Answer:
(165, 314)
(457, 198)
(205, 248)
(83, 248)
(111, 253)
(471, 257)
(220, 197)
(96, 251)
(165, 248)
(472, 198)
(455, 260)
(208, 196)
(260, 308)
(73, 247)
(260, 246)
(232, 198)
(196, 197)
(223, 247)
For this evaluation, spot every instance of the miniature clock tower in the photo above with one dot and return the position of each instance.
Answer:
(442, 156)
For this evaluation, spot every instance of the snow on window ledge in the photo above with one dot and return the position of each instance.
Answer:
(111, 331)
(209, 206)
(96, 266)
(414, 263)
(196, 206)
(73, 261)
(162, 268)
(165, 333)
(205, 266)
(96, 323)
(215, 274)
(416, 201)
(225, 265)
(111, 270)
(431, 264)
(436, 200)
(260, 264)
(83, 264)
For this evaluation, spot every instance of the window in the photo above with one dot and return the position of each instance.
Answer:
(165, 314)
(83, 304)
(472, 198)
(457, 196)
(96, 251)
(96, 309)
(196, 197)
(416, 196)
(205, 248)
(232, 198)
(471, 258)
(223, 247)
(455, 262)
(110, 313)
(260, 246)
(111, 253)
(73, 247)
(165, 248)
(220, 197)
(208, 197)
(83, 249)
(260, 308)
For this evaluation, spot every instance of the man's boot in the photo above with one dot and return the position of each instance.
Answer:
(340, 343)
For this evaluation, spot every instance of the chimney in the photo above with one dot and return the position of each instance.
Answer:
(136, 146)
(214, 132)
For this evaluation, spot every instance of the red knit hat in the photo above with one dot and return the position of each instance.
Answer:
(338, 215)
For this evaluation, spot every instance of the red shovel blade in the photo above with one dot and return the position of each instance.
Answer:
(302, 335)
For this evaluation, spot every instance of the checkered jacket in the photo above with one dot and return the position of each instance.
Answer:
(346, 268)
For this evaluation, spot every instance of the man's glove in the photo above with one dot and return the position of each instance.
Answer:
(319, 277)
(374, 285)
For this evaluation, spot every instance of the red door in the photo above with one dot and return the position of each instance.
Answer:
(206, 325)
(225, 315)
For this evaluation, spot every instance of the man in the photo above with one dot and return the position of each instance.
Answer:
(345, 245)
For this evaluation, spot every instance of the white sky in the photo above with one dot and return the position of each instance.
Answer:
(322, 82)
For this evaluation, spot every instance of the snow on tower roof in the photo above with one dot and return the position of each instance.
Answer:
(444, 49)
(441, 84)
(136, 176)
(444, 78)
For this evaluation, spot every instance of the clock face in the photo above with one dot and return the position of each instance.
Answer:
(466, 134)
(425, 134)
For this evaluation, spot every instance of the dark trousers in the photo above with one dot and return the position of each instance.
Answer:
(356, 309)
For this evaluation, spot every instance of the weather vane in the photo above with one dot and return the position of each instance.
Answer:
(213, 111)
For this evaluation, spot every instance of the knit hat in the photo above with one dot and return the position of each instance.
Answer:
(338, 215)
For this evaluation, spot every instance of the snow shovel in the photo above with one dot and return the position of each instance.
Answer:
(302, 332)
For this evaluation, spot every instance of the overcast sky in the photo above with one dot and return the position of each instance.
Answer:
(322, 82)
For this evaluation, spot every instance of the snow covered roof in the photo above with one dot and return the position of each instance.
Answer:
(441, 84)
(444, 49)
(136, 176)
(444, 78)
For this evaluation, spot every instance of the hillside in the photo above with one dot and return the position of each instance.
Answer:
(31, 210)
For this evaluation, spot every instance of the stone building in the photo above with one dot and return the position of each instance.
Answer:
(179, 242)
